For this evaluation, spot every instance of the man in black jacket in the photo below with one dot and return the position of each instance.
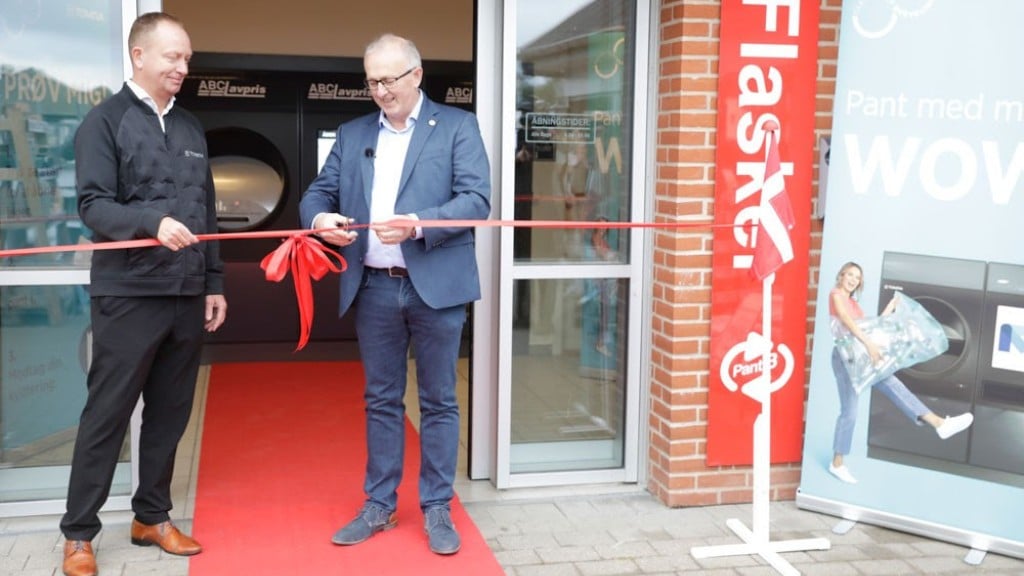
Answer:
(142, 172)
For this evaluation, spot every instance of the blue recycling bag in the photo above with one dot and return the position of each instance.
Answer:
(907, 336)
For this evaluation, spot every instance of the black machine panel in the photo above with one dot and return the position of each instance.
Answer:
(996, 441)
(980, 306)
(951, 290)
(265, 118)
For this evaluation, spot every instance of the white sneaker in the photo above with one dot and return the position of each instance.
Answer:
(843, 473)
(955, 424)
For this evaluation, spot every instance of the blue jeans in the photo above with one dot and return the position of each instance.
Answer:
(891, 386)
(389, 317)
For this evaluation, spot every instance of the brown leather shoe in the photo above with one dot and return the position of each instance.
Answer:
(165, 535)
(78, 558)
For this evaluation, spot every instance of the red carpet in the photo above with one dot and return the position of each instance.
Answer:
(281, 469)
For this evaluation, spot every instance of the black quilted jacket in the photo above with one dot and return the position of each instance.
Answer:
(130, 174)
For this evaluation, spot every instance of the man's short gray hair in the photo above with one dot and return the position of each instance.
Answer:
(406, 45)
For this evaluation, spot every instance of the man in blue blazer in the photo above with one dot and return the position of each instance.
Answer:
(414, 160)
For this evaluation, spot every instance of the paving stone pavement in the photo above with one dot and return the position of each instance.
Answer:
(33, 547)
(635, 534)
(593, 535)
(572, 531)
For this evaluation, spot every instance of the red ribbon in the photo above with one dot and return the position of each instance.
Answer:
(306, 259)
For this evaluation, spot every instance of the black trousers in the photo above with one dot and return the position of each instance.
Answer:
(141, 346)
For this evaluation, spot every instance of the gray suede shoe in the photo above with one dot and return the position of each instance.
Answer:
(441, 531)
(370, 520)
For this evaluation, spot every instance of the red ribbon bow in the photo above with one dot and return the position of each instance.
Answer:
(305, 258)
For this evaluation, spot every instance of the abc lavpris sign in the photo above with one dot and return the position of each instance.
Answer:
(767, 73)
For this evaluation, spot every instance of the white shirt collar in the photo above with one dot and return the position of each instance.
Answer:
(145, 97)
(413, 116)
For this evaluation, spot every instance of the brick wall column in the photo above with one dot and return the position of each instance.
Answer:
(687, 56)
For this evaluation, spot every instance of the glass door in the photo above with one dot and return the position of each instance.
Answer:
(58, 59)
(570, 294)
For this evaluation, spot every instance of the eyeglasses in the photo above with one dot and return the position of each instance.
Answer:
(387, 83)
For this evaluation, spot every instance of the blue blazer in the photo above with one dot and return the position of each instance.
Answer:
(446, 177)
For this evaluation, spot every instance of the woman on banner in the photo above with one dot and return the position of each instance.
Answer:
(845, 310)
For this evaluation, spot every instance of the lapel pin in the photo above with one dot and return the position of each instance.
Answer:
(431, 122)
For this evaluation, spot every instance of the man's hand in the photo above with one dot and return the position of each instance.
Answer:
(390, 233)
(174, 235)
(216, 311)
(333, 229)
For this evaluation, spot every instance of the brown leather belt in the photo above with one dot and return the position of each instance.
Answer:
(394, 271)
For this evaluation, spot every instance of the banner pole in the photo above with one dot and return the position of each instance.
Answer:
(757, 541)
(763, 422)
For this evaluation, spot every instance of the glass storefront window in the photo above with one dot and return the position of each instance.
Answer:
(573, 163)
(568, 384)
(573, 101)
(58, 59)
(45, 346)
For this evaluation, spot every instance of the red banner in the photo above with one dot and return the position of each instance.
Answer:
(767, 72)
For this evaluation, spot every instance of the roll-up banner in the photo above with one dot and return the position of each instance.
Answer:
(767, 72)
(925, 196)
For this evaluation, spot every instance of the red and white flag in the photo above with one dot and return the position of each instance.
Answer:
(772, 245)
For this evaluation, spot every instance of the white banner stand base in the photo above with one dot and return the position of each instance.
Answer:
(975, 557)
(756, 541)
(843, 526)
(766, 549)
